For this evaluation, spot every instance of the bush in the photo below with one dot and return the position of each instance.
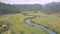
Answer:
(3, 26)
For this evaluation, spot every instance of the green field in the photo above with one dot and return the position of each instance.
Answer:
(18, 26)
(51, 22)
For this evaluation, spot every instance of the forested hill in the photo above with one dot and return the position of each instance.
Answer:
(53, 7)
(29, 7)
(7, 9)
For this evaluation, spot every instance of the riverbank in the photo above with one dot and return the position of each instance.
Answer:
(28, 21)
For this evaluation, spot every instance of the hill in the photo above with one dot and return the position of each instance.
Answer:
(7, 9)
(51, 8)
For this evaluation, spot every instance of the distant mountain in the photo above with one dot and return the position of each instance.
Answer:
(53, 7)
(29, 7)
(49, 8)
(8, 9)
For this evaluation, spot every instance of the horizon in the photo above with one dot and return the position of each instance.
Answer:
(28, 1)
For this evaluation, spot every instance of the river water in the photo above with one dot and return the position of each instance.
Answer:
(28, 21)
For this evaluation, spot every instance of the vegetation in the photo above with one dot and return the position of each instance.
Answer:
(8, 9)
(51, 8)
(15, 22)
(18, 26)
(51, 22)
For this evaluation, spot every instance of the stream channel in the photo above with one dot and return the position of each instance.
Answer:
(28, 21)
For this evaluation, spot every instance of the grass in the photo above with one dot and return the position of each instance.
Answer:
(51, 22)
(19, 26)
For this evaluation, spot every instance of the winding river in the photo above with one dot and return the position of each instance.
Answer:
(28, 21)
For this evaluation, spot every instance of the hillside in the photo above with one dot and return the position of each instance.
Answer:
(7, 9)
(49, 8)
(29, 7)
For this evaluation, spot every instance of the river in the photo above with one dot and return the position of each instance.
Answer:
(28, 21)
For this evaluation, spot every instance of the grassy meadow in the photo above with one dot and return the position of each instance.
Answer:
(51, 22)
(18, 26)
